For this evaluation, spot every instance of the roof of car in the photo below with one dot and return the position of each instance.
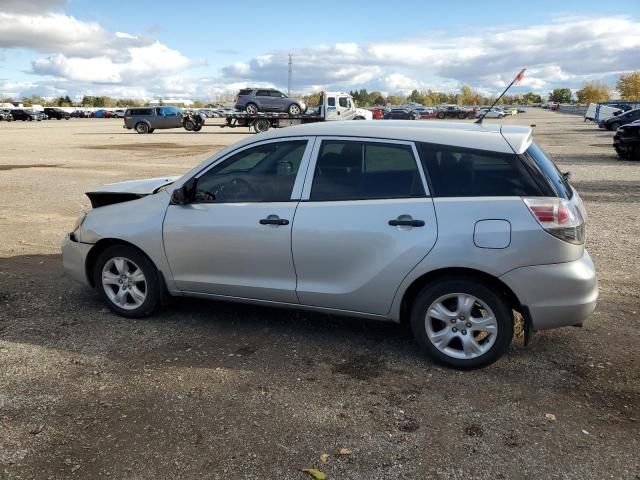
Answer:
(486, 136)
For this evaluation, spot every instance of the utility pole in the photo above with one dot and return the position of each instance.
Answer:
(289, 81)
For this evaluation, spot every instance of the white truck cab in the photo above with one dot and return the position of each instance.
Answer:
(341, 106)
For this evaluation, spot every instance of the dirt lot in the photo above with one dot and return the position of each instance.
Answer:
(224, 391)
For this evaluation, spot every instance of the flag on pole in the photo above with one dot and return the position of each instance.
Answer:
(520, 76)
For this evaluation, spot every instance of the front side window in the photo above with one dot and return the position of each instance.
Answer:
(344, 102)
(467, 172)
(265, 173)
(277, 94)
(352, 170)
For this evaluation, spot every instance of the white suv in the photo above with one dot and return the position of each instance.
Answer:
(450, 227)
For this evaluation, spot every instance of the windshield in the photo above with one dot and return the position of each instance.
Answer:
(550, 171)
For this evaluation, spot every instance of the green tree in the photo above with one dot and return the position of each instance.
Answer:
(629, 86)
(396, 99)
(531, 97)
(467, 96)
(593, 92)
(416, 97)
(560, 95)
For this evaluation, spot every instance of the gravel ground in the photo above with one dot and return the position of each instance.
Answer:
(225, 391)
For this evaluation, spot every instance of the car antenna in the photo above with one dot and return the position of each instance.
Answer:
(519, 77)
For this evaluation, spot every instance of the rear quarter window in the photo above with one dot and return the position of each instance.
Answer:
(246, 91)
(467, 172)
(548, 170)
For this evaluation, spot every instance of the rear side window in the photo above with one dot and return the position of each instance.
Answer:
(263, 93)
(139, 111)
(331, 101)
(466, 172)
(549, 171)
(350, 170)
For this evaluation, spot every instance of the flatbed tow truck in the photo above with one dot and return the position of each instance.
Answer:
(332, 106)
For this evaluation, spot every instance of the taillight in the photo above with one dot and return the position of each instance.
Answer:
(559, 217)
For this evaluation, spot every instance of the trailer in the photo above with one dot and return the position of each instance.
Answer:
(333, 106)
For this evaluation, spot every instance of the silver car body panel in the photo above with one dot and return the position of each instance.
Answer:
(343, 257)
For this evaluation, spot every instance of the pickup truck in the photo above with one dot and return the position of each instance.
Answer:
(332, 106)
(454, 111)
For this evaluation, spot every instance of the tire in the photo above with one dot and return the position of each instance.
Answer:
(483, 347)
(142, 128)
(189, 125)
(151, 130)
(441, 116)
(251, 108)
(30, 119)
(142, 296)
(461, 116)
(261, 125)
(294, 109)
(358, 118)
(197, 128)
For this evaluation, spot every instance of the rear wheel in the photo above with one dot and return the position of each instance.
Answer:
(441, 115)
(462, 323)
(251, 108)
(261, 125)
(142, 128)
(127, 281)
(461, 115)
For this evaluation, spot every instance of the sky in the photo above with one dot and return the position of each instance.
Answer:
(201, 49)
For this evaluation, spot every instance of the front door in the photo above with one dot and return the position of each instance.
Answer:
(364, 221)
(234, 239)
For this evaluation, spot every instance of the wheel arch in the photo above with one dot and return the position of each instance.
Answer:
(101, 246)
(410, 294)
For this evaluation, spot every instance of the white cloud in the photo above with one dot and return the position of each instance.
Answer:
(563, 53)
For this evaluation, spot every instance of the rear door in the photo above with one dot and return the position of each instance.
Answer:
(365, 220)
(264, 100)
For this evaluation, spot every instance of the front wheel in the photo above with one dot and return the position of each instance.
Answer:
(462, 323)
(189, 125)
(441, 116)
(127, 281)
(294, 109)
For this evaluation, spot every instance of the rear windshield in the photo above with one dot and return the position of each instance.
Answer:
(467, 172)
(550, 171)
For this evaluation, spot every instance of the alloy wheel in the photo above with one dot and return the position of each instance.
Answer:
(461, 326)
(124, 283)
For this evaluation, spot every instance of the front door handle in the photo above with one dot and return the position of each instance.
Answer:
(408, 222)
(274, 220)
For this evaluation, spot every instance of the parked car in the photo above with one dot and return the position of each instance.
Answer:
(254, 100)
(497, 228)
(522, 109)
(427, 113)
(147, 119)
(400, 114)
(626, 141)
(26, 114)
(57, 113)
(617, 121)
(101, 113)
(80, 114)
(493, 113)
(118, 113)
(378, 113)
(6, 115)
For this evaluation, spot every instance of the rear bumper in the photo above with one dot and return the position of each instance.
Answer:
(74, 257)
(556, 295)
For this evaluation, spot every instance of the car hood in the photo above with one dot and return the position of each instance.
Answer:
(129, 190)
(365, 113)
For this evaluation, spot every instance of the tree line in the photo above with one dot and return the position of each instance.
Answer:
(628, 85)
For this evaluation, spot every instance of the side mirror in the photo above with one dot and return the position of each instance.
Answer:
(185, 194)
(567, 175)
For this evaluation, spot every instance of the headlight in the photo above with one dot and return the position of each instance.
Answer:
(78, 223)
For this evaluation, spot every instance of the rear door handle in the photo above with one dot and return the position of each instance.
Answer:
(406, 223)
(274, 220)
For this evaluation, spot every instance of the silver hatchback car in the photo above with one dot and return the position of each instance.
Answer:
(449, 227)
